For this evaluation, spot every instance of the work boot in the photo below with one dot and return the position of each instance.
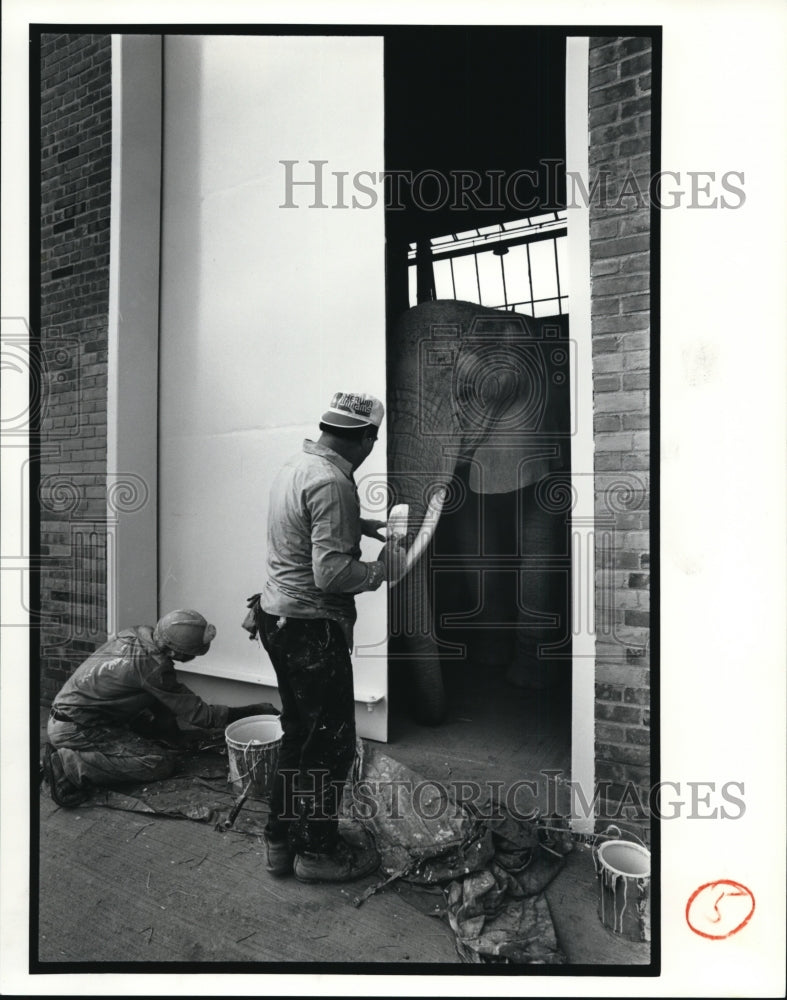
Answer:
(278, 856)
(63, 791)
(345, 864)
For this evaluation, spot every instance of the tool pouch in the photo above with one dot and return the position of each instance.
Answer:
(250, 621)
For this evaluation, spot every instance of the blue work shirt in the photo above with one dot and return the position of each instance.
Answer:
(314, 541)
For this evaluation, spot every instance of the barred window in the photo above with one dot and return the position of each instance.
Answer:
(516, 266)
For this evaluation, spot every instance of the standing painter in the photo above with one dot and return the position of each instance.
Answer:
(305, 616)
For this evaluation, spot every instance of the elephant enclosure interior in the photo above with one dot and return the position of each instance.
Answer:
(497, 582)
(485, 377)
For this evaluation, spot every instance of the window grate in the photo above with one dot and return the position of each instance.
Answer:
(527, 280)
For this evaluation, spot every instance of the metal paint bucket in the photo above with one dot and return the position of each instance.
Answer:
(623, 873)
(253, 751)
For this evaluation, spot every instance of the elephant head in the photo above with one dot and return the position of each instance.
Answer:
(468, 388)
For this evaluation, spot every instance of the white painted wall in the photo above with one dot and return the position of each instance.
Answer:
(265, 312)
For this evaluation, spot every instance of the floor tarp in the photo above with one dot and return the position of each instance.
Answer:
(476, 866)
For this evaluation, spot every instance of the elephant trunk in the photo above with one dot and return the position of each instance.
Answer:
(423, 539)
(419, 474)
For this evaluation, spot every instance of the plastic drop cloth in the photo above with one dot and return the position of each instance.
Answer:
(417, 826)
(484, 874)
(491, 926)
(491, 867)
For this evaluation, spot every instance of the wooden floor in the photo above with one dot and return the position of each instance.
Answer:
(120, 887)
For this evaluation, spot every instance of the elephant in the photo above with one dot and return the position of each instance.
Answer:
(479, 450)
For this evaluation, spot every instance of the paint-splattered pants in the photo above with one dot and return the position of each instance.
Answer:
(315, 680)
(107, 756)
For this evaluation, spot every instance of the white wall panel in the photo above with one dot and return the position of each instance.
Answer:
(265, 311)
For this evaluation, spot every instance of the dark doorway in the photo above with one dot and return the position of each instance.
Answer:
(475, 144)
(465, 105)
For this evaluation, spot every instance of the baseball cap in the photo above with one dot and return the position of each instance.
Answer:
(353, 409)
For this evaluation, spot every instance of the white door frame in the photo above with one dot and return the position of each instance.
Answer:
(133, 332)
(583, 674)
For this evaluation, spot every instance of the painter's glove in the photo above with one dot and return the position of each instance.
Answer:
(236, 712)
(371, 528)
(394, 559)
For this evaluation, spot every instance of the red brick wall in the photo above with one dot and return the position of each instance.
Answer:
(76, 129)
(620, 144)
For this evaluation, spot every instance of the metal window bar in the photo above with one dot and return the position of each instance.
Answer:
(530, 278)
(468, 242)
(557, 275)
(446, 250)
(424, 270)
(511, 306)
(503, 275)
(497, 241)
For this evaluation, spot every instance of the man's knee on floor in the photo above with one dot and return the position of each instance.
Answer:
(162, 767)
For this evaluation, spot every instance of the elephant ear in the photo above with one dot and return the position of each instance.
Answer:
(503, 411)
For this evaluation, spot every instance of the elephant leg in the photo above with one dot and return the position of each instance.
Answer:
(498, 537)
(428, 694)
(543, 648)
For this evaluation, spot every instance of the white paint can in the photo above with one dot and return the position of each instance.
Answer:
(253, 751)
(623, 873)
